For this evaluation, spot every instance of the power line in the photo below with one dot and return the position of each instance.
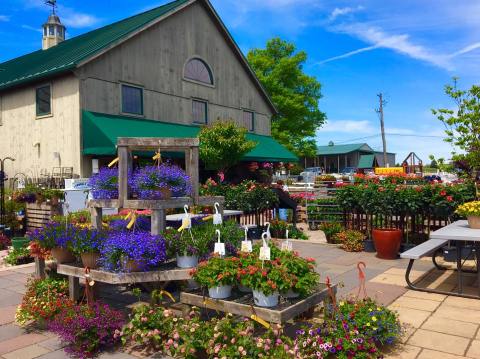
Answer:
(389, 134)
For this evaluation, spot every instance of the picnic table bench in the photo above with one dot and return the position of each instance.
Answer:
(459, 232)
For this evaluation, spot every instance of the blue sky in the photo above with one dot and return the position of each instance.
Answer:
(406, 49)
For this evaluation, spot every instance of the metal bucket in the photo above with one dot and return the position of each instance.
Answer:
(220, 292)
(263, 300)
(187, 261)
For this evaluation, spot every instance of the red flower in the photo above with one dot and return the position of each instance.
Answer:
(443, 193)
(449, 198)
(309, 259)
(264, 273)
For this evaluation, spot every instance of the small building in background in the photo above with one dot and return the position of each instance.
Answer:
(360, 156)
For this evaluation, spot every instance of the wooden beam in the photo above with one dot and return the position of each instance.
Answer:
(158, 221)
(96, 217)
(124, 168)
(155, 142)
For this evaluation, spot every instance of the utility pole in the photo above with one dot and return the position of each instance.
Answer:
(382, 127)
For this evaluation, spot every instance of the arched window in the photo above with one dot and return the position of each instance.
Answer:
(198, 70)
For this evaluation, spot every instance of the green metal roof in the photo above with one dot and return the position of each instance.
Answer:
(101, 131)
(366, 161)
(69, 53)
(343, 149)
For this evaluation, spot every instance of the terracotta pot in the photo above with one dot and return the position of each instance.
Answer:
(132, 266)
(62, 255)
(90, 259)
(166, 192)
(387, 242)
(474, 222)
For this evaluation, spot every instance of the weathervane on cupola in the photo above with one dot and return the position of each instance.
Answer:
(53, 29)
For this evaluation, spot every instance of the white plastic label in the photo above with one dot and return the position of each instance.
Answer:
(186, 223)
(246, 246)
(219, 248)
(287, 246)
(217, 219)
(264, 253)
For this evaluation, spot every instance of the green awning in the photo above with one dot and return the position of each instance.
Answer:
(100, 133)
(366, 161)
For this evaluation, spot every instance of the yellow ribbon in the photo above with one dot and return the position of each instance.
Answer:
(133, 218)
(168, 294)
(157, 156)
(113, 162)
(207, 218)
(260, 321)
(210, 303)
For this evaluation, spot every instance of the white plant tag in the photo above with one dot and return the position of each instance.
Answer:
(287, 246)
(264, 253)
(217, 217)
(219, 249)
(186, 220)
(264, 249)
(246, 246)
(219, 246)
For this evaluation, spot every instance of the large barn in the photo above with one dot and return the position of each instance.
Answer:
(164, 72)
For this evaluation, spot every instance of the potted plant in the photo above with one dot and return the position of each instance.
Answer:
(160, 182)
(351, 240)
(267, 280)
(186, 247)
(470, 210)
(304, 277)
(330, 229)
(56, 237)
(278, 228)
(104, 184)
(132, 251)
(87, 244)
(218, 275)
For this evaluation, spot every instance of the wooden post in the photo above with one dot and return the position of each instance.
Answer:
(124, 167)
(74, 288)
(39, 268)
(96, 214)
(191, 167)
(158, 221)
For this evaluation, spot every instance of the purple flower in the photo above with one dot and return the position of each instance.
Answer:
(147, 182)
(144, 249)
(104, 184)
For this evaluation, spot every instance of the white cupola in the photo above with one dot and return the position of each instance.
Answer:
(53, 29)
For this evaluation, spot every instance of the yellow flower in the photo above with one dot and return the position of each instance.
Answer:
(374, 319)
(342, 303)
(368, 324)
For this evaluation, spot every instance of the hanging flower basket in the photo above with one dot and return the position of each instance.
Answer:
(62, 255)
(90, 259)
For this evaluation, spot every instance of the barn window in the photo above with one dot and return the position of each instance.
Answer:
(132, 100)
(249, 120)
(198, 70)
(200, 112)
(43, 100)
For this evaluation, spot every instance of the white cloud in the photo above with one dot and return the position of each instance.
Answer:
(4, 18)
(466, 49)
(399, 43)
(343, 11)
(78, 20)
(28, 27)
(348, 126)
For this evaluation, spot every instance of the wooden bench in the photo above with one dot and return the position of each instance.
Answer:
(427, 248)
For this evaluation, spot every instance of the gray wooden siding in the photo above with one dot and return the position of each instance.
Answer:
(155, 59)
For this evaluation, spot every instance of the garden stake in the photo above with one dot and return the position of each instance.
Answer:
(361, 280)
(331, 293)
(133, 218)
(88, 283)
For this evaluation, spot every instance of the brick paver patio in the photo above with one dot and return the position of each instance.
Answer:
(437, 326)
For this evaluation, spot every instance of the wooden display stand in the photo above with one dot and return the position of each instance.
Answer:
(169, 272)
(242, 304)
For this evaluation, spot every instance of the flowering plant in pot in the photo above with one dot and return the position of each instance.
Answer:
(267, 280)
(56, 237)
(86, 329)
(132, 251)
(187, 247)
(87, 244)
(43, 299)
(470, 210)
(218, 275)
(160, 182)
(351, 240)
(104, 184)
(304, 277)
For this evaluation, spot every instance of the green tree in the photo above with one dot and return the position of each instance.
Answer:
(279, 68)
(223, 144)
(462, 125)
